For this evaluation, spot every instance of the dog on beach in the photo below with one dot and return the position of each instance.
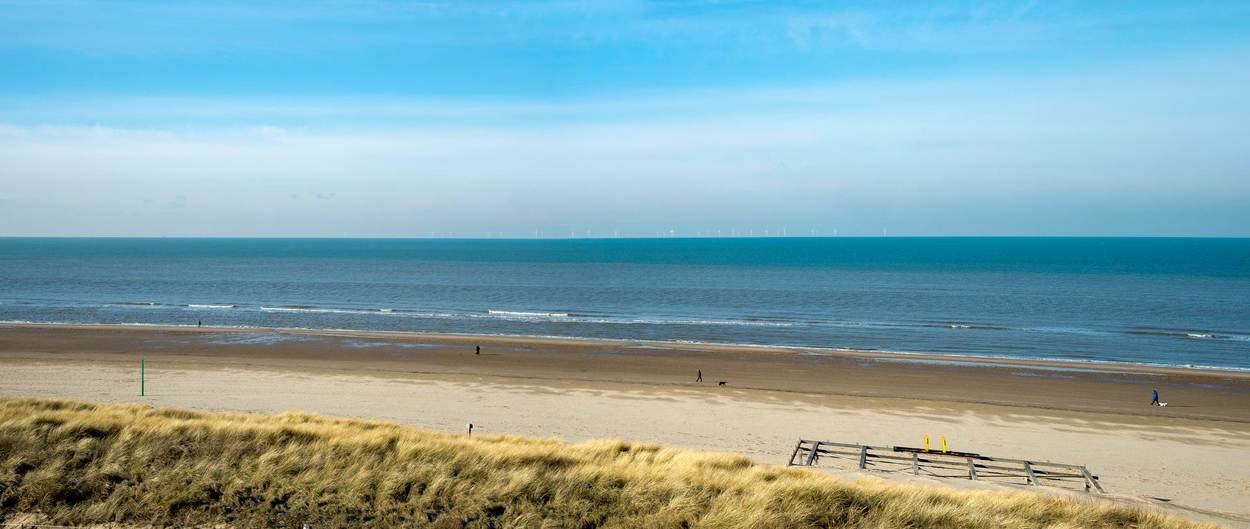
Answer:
(721, 383)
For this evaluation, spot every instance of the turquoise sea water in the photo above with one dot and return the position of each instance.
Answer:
(1158, 301)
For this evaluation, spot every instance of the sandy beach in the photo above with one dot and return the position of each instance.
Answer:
(1191, 452)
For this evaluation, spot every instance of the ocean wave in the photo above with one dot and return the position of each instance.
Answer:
(525, 314)
(565, 317)
(136, 303)
(1079, 331)
(966, 325)
(1189, 334)
(316, 310)
(745, 323)
(309, 309)
(849, 324)
(210, 306)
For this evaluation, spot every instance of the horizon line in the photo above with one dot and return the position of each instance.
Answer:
(595, 238)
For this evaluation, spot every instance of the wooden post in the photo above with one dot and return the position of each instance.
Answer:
(915, 464)
(811, 458)
(141, 376)
(863, 457)
(1028, 473)
(972, 469)
(1091, 480)
(797, 446)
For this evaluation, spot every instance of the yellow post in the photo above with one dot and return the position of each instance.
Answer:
(943, 444)
(926, 442)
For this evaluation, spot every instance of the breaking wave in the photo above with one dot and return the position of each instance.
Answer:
(528, 314)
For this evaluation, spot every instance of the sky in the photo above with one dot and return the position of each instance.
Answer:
(624, 118)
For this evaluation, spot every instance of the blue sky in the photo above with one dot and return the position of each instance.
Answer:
(638, 118)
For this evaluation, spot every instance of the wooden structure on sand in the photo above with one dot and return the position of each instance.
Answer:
(938, 463)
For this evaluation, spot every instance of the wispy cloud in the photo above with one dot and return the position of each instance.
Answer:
(359, 118)
(938, 158)
(1089, 90)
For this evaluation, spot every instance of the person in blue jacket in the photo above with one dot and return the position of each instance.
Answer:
(1154, 398)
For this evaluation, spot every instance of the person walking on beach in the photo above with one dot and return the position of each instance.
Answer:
(199, 323)
(700, 377)
(477, 350)
(1154, 398)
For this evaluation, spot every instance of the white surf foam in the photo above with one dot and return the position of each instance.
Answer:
(527, 314)
(317, 310)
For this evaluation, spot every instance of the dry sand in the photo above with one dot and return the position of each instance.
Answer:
(1193, 452)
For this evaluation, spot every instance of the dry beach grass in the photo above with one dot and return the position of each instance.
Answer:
(81, 463)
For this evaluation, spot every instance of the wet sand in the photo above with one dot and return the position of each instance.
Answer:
(1192, 451)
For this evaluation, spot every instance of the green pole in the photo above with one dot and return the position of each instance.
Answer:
(140, 376)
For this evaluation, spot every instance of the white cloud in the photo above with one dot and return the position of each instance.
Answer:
(1030, 154)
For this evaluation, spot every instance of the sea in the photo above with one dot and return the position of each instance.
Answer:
(1157, 301)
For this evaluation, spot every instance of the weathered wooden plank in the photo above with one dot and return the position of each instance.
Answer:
(842, 445)
(1090, 479)
(923, 451)
(811, 456)
(797, 446)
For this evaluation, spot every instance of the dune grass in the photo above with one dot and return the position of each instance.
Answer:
(81, 463)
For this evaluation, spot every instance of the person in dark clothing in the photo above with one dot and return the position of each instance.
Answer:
(477, 350)
(1154, 398)
(700, 377)
(199, 323)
